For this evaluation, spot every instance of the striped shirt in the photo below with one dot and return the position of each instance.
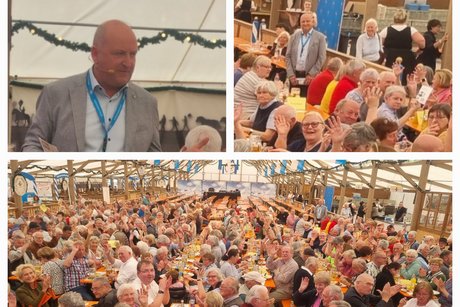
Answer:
(77, 270)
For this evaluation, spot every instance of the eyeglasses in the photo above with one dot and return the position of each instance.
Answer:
(312, 124)
(266, 66)
(436, 117)
(212, 276)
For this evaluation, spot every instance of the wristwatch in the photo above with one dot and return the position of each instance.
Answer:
(161, 292)
(423, 80)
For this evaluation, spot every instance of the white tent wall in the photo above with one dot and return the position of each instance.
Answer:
(169, 61)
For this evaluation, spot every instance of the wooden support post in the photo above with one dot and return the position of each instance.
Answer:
(71, 186)
(126, 173)
(343, 189)
(370, 195)
(446, 57)
(420, 195)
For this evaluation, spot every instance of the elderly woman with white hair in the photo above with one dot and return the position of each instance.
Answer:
(262, 121)
(395, 97)
(368, 80)
(411, 266)
(368, 45)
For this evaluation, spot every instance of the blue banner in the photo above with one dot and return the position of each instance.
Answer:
(156, 162)
(176, 164)
(283, 167)
(330, 20)
(300, 165)
(189, 166)
(328, 196)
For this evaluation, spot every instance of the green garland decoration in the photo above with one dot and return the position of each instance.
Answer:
(142, 42)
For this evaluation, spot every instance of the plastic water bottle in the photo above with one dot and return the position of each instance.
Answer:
(263, 25)
(255, 30)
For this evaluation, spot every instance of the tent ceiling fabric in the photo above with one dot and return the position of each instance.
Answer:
(168, 62)
(439, 177)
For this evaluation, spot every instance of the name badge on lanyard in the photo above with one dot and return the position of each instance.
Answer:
(303, 42)
(100, 113)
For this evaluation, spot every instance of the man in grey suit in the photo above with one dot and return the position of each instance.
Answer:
(99, 110)
(306, 54)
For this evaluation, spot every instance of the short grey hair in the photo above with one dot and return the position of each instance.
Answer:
(261, 60)
(361, 134)
(205, 248)
(268, 86)
(197, 134)
(335, 291)
(163, 239)
(411, 252)
(394, 89)
(383, 244)
(71, 299)
(255, 292)
(323, 277)
(334, 64)
(233, 283)
(369, 73)
(122, 289)
(372, 21)
(340, 303)
(354, 65)
(220, 277)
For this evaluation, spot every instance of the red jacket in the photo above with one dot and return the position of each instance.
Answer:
(318, 86)
(343, 87)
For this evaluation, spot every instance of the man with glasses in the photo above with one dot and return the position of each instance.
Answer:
(146, 280)
(360, 294)
(104, 292)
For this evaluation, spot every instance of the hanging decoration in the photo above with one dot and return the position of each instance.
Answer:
(142, 42)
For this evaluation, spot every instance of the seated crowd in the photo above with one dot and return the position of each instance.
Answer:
(316, 259)
(359, 109)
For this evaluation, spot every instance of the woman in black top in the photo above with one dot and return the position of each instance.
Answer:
(432, 46)
(388, 276)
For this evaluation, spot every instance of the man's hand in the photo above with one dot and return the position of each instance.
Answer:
(197, 147)
(282, 126)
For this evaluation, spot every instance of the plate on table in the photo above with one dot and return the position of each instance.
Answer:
(436, 292)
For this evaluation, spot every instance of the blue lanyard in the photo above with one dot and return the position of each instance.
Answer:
(99, 112)
(304, 43)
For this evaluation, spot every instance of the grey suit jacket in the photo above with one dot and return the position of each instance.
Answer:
(316, 55)
(61, 117)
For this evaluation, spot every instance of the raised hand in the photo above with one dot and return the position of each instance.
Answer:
(143, 296)
(282, 126)
(372, 96)
(304, 284)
